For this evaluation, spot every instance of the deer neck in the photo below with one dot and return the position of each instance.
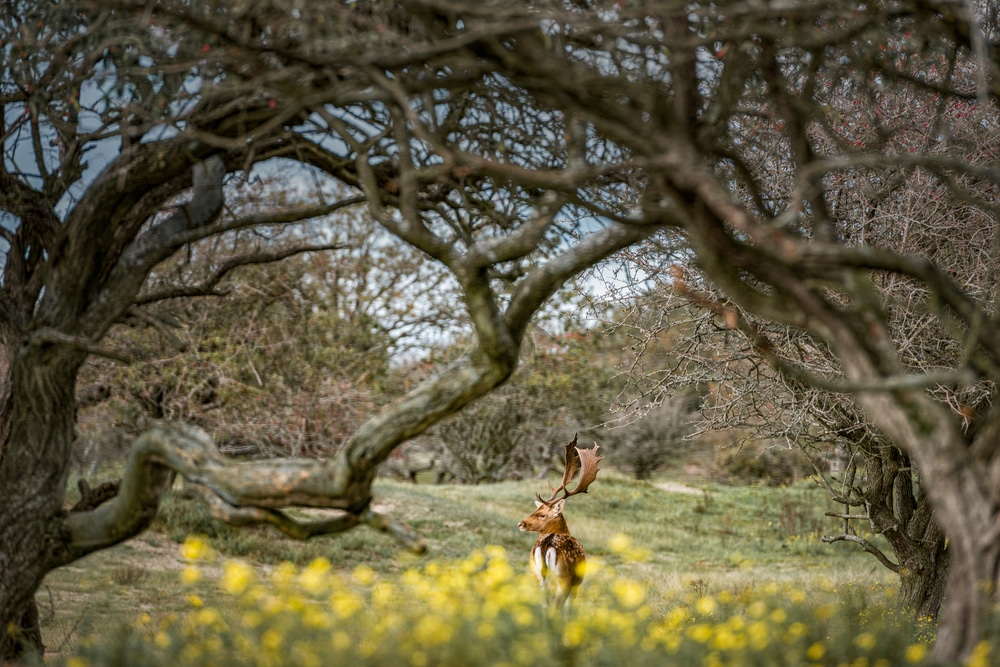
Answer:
(556, 526)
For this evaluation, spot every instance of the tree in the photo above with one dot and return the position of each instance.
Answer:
(904, 211)
(282, 358)
(711, 101)
(123, 123)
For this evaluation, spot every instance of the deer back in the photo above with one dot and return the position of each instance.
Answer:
(561, 556)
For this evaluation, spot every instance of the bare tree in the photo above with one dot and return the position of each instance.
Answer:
(722, 101)
(904, 208)
(122, 123)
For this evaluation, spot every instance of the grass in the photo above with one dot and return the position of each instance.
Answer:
(705, 541)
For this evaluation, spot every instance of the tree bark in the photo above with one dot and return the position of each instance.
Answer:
(922, 580)
(33, 475)
(972, 587)
(23, 637)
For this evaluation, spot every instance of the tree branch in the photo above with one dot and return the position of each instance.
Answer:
(242, 493)
(49, 336)
(866, 545)
(542, 282)
(207, 287)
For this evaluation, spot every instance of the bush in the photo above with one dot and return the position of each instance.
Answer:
(647, 444)
(484, 611)
(775, 465)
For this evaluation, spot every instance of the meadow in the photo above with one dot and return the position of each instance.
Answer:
(703, 574)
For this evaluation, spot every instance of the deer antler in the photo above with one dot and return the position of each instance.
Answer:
(583, 460)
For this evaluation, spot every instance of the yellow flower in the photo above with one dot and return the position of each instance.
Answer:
(486, 630)
(195, 601)
(283, 575)
(432, 630)
(701, 632)
(758, 634)
(208, 617)
(271, 639)
(190, 575)
(314, 578)
(345, 604)
(574, 633)
(825, 611)
(980, 655)
(629, 593)
(619, 543)
(196, 548)
(364, 575)
(865, 641)
(495, 552)
(798, 629)
(705, 605)
(816, 651)
(916, 652)
(725, 639)
(236, 577)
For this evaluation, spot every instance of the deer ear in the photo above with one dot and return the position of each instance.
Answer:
(557, 506)
(538, 503)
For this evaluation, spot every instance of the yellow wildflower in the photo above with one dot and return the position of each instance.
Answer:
(314, 578)
(980, 655)
(629, 593)
(236, 577)
(916, 652)
(705, 605)
(701, 632)
(364, 575)
(195, 548)
(190, 575)
(619, 543)
(816, 651)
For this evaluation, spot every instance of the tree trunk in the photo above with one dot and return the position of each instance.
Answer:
(922, 583)
(23, 637)
(33, 476)
(972, 587)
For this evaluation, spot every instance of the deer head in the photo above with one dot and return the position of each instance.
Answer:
(548, 517)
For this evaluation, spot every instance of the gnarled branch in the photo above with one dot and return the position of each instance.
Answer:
(241, 493)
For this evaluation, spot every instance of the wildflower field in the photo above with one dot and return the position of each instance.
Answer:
(785, 599)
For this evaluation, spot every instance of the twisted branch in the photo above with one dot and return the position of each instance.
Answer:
(240, 493)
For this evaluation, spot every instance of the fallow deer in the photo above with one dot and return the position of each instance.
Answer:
(557, 553)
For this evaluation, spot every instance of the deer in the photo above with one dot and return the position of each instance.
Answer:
(556, 552)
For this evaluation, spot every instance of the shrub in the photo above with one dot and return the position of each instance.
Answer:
(484, 611)
(647, 444)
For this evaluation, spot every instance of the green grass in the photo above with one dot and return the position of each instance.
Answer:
(717, 538)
